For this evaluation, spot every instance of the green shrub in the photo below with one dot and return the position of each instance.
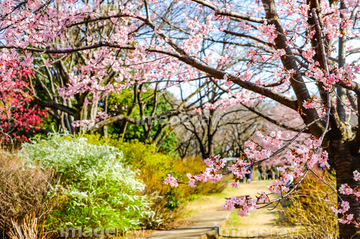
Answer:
(99, 190)
(167, 202)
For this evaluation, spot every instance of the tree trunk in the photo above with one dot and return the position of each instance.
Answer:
(123, 130)
(210, 134)
(210, 145)
(105, 131)
(346, 159)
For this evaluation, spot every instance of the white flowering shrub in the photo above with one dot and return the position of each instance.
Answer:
(99, 190)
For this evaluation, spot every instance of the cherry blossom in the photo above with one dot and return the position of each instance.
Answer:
(171, 180)
(356, 175)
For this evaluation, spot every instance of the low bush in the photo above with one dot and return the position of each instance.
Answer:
(167, 202)
(310, 209)
(29, 228)
(24, 191)
(98, 189)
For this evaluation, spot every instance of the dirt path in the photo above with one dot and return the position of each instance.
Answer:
(260, 224)
(205, 213)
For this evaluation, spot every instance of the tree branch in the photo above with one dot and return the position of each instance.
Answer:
(275, 122)
(56, 106)
(230, 13)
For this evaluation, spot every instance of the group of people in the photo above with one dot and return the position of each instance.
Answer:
(268, 173)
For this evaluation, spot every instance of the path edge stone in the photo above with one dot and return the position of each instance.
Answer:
(215, 233)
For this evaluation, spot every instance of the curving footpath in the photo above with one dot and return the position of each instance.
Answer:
(206, 225)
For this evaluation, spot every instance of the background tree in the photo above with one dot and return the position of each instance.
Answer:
(216, 132)
(103, 74)
(128, 103)
(19, 118)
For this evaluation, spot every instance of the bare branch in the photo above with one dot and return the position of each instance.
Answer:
(229, 13)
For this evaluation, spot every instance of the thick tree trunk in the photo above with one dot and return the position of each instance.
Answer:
(346, 160)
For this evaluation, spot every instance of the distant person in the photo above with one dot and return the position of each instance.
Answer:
(289, 183)
(321, 168)
(248, 175)
(269, 174)
(260, 173)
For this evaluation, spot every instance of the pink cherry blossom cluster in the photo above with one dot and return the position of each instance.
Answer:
(257, 151)
(208, 175)
(278, 54)
(85, 123)
(310, 103)
(244, 27)
(343, 207)
(308, 55)
(274, 138)
(171, 180)
(222, 61)
(82, 123)
(234, 98)
(345, 74)
(267, 31)
(239, 168)
(101, 116)
(285, 75)
(245, 76)
(279, 186)
(345, 189)
(215, 162)
(306, 154)
(356, 175)
(235, 185)
(252, 55)
(347, 219)
(299, 156)
(245, 204)
(209, 106)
